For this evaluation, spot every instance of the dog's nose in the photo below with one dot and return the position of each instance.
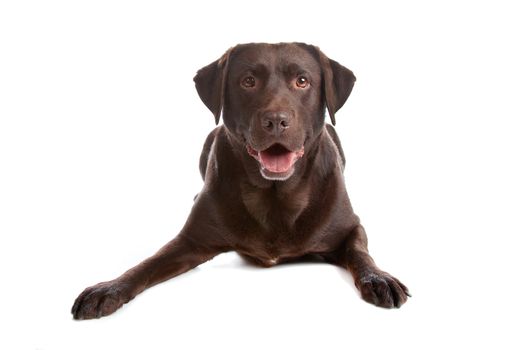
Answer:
(275, 122)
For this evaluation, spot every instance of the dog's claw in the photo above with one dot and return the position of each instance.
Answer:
(100, 300)
(383, 290)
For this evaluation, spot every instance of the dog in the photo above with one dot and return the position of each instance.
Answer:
(274, 189)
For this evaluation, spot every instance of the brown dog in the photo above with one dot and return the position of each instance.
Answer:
(273, 178)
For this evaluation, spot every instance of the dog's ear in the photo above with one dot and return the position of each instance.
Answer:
(210, 82)
(338, 82)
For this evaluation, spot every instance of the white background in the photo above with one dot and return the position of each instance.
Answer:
(100, 133)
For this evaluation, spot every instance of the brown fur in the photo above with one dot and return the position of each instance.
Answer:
(267, 221)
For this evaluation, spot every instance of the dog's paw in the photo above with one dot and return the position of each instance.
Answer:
(381, 289)
(100, 300)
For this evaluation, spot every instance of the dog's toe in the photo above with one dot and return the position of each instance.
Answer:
(99, 300)
(383, 290)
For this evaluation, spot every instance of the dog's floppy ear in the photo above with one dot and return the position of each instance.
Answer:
(338, 82)
(210, 82)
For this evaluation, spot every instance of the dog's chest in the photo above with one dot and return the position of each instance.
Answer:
(272, 234)
(272, 209)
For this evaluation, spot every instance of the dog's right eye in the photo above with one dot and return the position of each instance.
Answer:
(248, 82)
(302, 82)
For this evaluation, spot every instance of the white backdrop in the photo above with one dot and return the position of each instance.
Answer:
(100, 133)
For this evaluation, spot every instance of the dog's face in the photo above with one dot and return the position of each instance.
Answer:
(273, 97)
(273, 102)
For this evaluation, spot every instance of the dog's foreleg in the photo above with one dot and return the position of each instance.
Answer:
(195, 244)
(376, 286)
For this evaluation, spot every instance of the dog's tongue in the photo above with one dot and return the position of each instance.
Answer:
(277, 162)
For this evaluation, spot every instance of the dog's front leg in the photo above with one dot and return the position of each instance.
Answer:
(189, 249)
(376, 286)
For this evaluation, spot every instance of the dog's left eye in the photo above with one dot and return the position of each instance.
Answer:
(302, 82)
(248, 82)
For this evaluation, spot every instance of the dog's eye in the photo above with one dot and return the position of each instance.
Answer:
(302, 82)
(248, 82)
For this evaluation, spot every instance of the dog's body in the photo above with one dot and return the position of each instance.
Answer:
(273, 177)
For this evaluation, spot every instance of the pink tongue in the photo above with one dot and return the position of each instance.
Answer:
(277, 163)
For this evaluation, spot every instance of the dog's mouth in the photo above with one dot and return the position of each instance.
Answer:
(277, 161)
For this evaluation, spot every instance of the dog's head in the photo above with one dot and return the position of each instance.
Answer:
(273, 99)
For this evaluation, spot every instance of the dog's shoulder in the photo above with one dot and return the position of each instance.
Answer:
(335, 139)
(206, 150)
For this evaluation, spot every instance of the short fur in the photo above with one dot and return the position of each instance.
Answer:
(268, 221)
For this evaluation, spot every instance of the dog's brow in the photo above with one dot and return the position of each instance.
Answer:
(295, 68)
(248, 64)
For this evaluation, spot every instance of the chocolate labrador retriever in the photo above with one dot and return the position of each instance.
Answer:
(273, 178)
